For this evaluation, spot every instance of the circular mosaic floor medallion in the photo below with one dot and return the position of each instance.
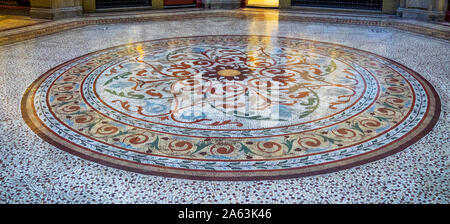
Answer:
(231, 107)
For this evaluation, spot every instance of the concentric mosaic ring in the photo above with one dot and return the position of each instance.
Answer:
(231, 107)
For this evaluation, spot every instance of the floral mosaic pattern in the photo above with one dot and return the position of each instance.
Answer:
(230, 107)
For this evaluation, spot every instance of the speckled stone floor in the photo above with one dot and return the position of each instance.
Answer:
(33, 171)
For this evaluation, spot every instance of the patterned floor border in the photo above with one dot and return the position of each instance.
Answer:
(34, 31)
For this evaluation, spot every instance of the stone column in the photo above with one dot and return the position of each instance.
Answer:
(401, 7)
(55, 9)
(390, 6)
(157, 4)
(89, 6)
(423, 9)
(285, 4)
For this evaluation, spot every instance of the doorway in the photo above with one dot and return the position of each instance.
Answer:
(345, 4)
(107, 4)
(179, 2)
(263, 3)
(25, 3)
(19, 7)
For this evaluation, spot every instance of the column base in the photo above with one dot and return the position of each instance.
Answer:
(58, 13)
(420, 14)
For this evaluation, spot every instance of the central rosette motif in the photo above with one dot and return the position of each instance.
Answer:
(229, 87)
(228, 72)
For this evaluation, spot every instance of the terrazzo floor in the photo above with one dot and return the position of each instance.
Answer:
(33, 171)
